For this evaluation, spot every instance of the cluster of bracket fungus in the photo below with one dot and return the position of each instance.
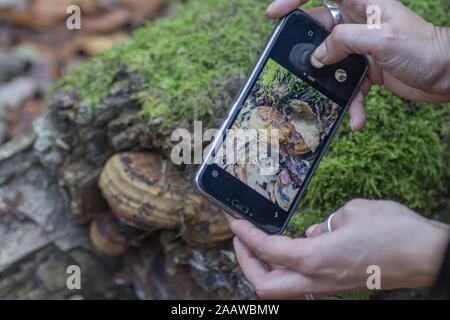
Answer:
(113, 237)
(145, 193)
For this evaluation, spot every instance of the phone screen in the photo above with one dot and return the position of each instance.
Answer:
(280, 105)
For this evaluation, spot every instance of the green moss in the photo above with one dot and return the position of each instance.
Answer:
(434, 11)
(184, 64)
(275, 75)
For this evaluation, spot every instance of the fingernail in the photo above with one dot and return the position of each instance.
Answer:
(316, 63)
(269, 8)
(320, 53)
(228, 217)
(311, 228)
(352, 123)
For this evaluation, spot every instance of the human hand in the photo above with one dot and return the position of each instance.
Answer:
(407, 55)
(407, 247)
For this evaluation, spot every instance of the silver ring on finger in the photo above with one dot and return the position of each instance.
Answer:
(334, 10)
(329, 221)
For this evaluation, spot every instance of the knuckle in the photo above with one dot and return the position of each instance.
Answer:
(391, 31)
(338, 34)
(308, 258)
(389, 35)
(298, 253)
(384, 39)
(354, 205)
(310, 266)
(262, 249)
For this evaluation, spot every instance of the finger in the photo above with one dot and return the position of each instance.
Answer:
(357, 111)
(253, 269)
(284, 284)
(317, 230)
(228, 217)
(366, 85)
(321, 228)
(346, 39)
(323, 15)
(277, 250)
(280, 8)
(277, 284)
(311, 231)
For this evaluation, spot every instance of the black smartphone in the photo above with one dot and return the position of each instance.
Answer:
(279, 126)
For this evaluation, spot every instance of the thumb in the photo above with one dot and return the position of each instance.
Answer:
(346, 39)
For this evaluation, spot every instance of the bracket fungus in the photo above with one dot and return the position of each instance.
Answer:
(144, 193)
(112, 237)
(209, 225)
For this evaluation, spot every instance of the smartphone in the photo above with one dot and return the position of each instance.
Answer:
(273, 137)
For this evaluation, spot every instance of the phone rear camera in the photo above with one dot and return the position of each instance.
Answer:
(340, 75)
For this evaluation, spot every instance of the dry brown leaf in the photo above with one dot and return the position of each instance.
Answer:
(106, 22)
(144, 9)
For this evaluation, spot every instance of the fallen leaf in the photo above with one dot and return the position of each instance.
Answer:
(106, 22)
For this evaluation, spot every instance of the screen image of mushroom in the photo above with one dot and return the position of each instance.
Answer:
(284, 107)
(251, 165)
(286, 188)
(265, 119)
(306, 123)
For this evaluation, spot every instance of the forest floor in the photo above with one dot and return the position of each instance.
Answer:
(37, 48)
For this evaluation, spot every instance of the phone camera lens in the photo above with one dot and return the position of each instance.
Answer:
(340, 75)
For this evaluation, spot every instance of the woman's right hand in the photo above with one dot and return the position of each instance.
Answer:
(408, 56)
(406, 249)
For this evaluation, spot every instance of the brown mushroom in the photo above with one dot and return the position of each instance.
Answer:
(142, 192)
(207, 226)
(112, 237)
